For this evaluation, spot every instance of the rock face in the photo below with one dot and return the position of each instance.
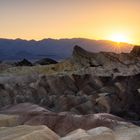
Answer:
(9, 120)
(26, 132)
(80, 95)
(65, 123)
(61, 123)
(127, 133)
(86, 127)
(100, 133)
(46, 61)
(106, 63)
(97, 127)
(103, 133)
(136, 51)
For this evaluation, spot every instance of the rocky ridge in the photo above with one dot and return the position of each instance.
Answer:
(69, 126)
(79, 95)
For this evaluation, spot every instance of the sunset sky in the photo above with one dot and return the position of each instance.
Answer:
(94, 19)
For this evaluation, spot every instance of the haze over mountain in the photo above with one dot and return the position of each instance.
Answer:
(53, 48)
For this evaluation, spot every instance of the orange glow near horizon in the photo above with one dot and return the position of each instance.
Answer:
(94, 19)
(119, 37)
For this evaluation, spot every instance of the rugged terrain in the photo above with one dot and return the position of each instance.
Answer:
(78, 94)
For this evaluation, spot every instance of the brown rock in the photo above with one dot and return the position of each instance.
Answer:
(26, 132)
(136, 51)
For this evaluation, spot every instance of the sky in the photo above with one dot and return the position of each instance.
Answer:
(95, 19)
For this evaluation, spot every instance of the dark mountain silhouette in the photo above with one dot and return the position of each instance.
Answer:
(53, 48)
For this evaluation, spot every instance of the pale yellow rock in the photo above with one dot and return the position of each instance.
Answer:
(78, 134)
(8, 120)
(26, 132)
(130, 132)
(100, 133)
(121, 132)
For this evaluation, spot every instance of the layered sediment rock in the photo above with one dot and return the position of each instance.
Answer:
(86, 127)
(26, 132)
(81, 87)
(61, 123)
(80, 94)
(106, 63)
(100, 133)
(9, 120)
(103, 133)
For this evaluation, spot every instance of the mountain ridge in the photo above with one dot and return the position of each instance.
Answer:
(13, 49)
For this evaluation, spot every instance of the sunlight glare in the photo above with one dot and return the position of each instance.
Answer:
(119, 37)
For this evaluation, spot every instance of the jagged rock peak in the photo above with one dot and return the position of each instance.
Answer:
(79, 51)
(136, 51)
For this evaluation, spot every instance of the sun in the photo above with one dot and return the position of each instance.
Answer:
(119, 37)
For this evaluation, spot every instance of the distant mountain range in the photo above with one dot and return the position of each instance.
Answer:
(53, 48)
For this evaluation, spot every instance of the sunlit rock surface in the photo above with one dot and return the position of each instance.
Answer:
(99, 133)
(8, 120)
(26, 132)
(103, 133)
(127, 133)
(64, 122)
(100, 126)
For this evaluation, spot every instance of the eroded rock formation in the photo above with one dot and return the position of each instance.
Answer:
(26, 132)
(76, 95)
(80, 94)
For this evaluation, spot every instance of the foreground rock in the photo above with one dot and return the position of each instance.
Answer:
(9, 120)
(103, 133)
(79, 94)
(100, 133)
(62, 123)
(26, 132)
(100, 126)
(127, 133)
